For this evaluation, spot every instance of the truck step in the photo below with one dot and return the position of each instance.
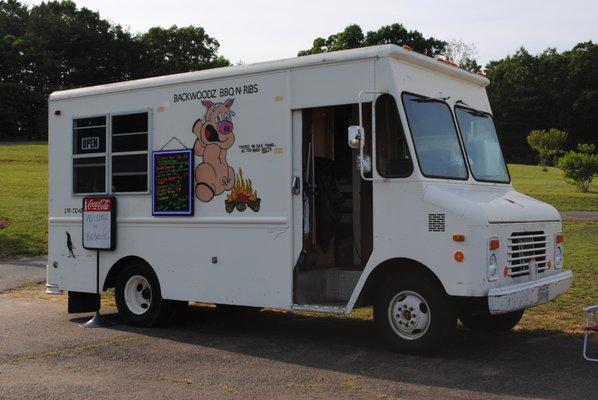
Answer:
(325, 286)
(331, 309)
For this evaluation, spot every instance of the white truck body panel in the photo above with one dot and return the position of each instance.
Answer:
(247, 258)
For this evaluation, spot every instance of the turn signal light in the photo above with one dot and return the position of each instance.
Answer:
(494, 244)
(459, 256)
(459, 238)
(559, 238)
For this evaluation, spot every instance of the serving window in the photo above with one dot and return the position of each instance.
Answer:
(129, 152)
(120, 147)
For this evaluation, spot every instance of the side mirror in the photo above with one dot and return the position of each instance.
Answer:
(354, 136)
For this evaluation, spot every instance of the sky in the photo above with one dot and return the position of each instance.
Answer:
(260, 30)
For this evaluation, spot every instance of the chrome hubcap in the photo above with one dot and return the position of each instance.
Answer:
(138, 294)
(409, 315)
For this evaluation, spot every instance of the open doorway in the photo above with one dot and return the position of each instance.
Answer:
(337, 225)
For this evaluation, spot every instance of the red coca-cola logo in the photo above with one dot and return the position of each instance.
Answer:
(98, 204)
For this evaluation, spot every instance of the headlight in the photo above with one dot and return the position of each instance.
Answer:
(492, 267)
(558, 256)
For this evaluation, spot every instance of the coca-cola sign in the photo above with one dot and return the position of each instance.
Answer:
(93, 204)
(99, 223)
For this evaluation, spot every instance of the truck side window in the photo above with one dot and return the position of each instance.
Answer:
(89, 155)
(129, 152)
(392, 154)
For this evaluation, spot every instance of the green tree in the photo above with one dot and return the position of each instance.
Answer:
(543, 91)
(56, 45)
(470, 64)
(580, 168)
(586, 148)
(174, 50)
(352, 37)
(548, 144)
(399, 35)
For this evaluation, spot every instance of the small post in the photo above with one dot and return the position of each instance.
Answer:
(97, 321)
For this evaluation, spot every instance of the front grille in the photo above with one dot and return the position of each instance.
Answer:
(524, 247)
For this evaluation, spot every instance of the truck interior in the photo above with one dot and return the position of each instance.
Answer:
(337, 207)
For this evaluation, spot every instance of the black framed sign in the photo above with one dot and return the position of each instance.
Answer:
(99, 223)
(172, 185)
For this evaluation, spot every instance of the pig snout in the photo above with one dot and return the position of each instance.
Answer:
(225, 127)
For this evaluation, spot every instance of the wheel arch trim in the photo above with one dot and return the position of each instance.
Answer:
(381, 268)
(119, 265)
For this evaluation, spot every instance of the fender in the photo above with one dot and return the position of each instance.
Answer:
(395, 263)
(110, 278)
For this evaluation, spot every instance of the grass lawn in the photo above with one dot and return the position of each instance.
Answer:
(565, 313)
(549, 186)
(23, 201)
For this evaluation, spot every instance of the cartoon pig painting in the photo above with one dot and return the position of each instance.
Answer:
(214, 137)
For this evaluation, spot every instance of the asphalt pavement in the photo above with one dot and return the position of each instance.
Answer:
(16, 273)
(44, 353)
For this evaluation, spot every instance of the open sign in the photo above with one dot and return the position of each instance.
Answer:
(90, 143)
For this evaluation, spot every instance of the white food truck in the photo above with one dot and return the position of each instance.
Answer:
(367, 177)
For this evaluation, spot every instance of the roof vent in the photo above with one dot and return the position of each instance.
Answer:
(435, 222)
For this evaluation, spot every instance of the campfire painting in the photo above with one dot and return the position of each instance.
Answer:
(242, 195)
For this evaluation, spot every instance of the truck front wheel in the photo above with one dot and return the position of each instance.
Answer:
(489, 322)
(138, 297)
(414, 315)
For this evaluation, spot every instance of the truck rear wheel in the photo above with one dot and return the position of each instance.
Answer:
(489, 322)
(414, 315)
(138, 297)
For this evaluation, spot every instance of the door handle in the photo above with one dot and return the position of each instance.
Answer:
(296, 185)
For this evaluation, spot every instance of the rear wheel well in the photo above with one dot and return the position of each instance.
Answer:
(392, 269)
(118, 266)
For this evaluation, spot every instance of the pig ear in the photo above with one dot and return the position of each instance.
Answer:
(229, 103)
(207, 104)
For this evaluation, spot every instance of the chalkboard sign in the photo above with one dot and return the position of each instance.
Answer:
(172, 192)
(99, 223)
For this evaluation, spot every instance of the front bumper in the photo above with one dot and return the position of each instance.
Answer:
(528, 294)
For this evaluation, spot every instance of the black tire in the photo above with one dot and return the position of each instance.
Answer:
(158, 310)
(440, 310)
(492, 323)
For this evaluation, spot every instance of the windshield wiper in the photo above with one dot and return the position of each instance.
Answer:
(470, 109)
(430, 99)
(477, 113)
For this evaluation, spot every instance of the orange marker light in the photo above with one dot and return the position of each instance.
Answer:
(559, 238)
(459, 238)
(459, 256)
(407, 47)
(494, 244)
(505, 272)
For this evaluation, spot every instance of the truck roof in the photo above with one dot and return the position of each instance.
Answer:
(388, 50)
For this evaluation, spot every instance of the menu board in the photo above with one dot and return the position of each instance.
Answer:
(99, 223)
(172, 192)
